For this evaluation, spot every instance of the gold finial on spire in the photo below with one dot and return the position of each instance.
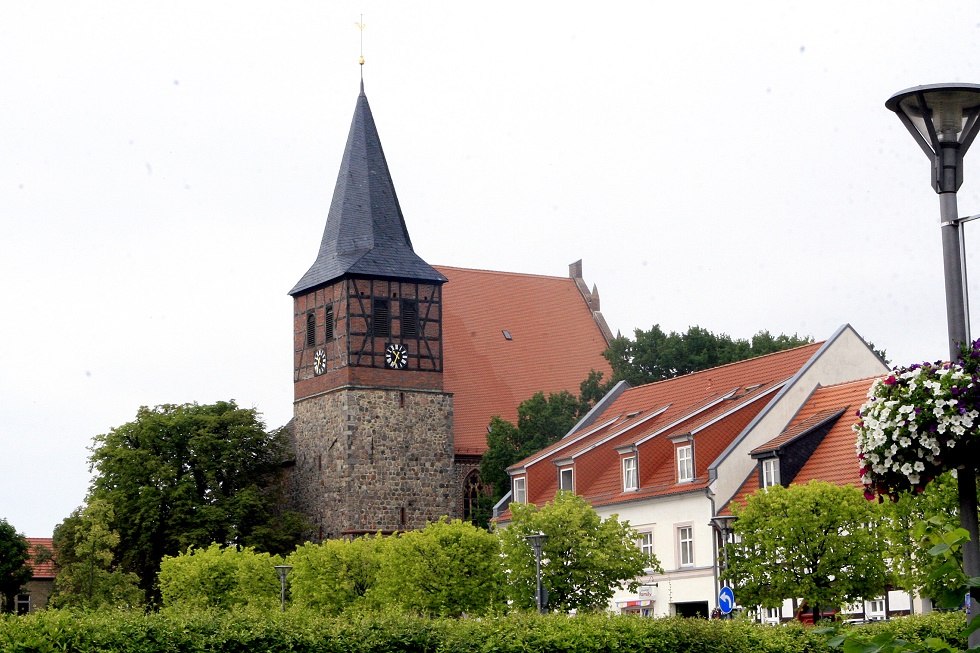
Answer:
(360, 26)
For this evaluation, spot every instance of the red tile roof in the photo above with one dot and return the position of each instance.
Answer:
(712, 406)
(834, 460)
(555, 343)
(45, 569)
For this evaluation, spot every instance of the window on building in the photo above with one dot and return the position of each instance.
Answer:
(770, 472)
(773, 615)
(565, 480)
(685, 546)
(328, 322)
(472, 492)
(409, 318)
(380, 318)
(629, 473)
(646, 543)
(685, 463)
(876, 609)
(310, 329)
(520, 489)
(22, 603)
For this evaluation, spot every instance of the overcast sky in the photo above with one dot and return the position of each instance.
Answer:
(166, 169)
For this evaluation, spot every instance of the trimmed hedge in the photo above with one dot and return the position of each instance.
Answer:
(252, 631)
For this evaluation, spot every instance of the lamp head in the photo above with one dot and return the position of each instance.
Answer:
(943, 120)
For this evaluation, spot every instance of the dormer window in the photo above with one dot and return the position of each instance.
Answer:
(565, 480)
(770, 472)
(685, 463)
(520, 489)
(629, 474)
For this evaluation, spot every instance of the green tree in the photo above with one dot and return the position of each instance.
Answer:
(188, 475)
(540, 421)
(909, 525)
(15, 568)
(654, 355)
(334, 575)
(584, 559)
(815, 541)
(449, 568)
(220, 577)
(88, 577)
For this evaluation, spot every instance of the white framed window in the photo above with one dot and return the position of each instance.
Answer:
(629, 473)
(877, 609)
(646, 543)
(685, 546)
(520, 489)
(565, 480)
(22, 603)
(773, 615)
(685, 463)
(770, 472)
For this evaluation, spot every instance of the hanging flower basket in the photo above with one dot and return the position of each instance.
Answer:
(917, 424)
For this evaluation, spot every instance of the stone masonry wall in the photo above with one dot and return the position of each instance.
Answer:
(371, 460)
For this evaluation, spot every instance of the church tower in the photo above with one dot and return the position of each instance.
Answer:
(372, 424)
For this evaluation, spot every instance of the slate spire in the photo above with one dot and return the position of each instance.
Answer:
(365, 235)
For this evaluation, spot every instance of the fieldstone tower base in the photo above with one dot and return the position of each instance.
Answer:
(373, 460)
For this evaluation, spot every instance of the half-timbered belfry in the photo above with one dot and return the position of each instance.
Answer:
(372, 426)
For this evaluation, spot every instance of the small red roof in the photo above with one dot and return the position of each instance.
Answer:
(47, 568)
(507, 336)
(835, 458)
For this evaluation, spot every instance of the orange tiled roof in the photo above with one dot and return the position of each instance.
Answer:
(714, 405)
(45, 569)
(555, 343)
(834, 460)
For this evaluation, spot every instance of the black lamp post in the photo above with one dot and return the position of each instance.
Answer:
(282, 570)
(943, 120)
(537, 540)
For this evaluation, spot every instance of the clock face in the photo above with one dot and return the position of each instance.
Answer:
(319, 362)
(396, 356)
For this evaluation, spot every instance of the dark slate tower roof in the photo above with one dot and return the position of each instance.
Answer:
(365, 234)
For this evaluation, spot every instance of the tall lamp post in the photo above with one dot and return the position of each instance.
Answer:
(537, 540)
(282, 570)
(943, 120)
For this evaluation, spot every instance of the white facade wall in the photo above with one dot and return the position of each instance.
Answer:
(664, 516)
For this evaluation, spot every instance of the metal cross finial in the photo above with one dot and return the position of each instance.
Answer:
(360, 26)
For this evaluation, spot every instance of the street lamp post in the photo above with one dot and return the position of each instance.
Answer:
(282, 570)
(943, 120)
(537, 541)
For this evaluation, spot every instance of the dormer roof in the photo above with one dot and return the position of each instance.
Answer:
(365, 234)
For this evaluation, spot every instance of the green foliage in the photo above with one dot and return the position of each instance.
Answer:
(540, 421)
(814, 541)
(450, 568)
(220, 577)
(584, 559)
(335, 575)
(14, 568)
(310, 632)
(654, 355)
(87, 576)
(189, 475)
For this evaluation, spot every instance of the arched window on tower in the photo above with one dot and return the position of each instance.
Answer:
(472, 491)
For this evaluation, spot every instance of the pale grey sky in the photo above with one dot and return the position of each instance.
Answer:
(166, 169)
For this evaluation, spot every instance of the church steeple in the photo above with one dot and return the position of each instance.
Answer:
(365, 234)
